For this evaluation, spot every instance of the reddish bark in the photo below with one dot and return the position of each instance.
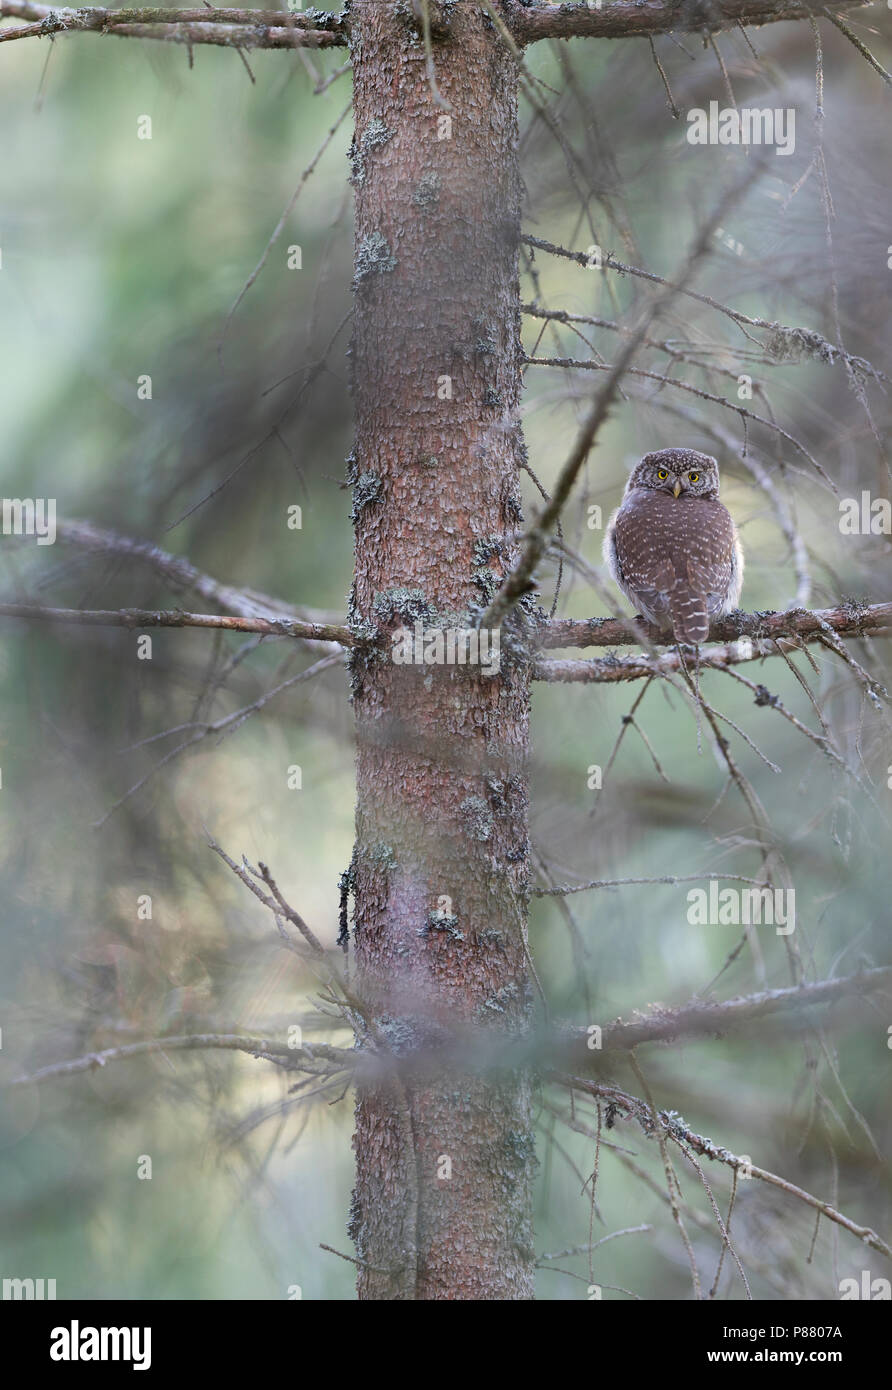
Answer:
(441, 783)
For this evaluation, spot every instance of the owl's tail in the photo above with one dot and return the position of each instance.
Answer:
(687, 609)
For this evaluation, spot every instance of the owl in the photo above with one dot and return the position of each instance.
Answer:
(672, 546)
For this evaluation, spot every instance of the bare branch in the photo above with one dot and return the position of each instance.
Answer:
(823, 741)
(670, 99)
(325, 82)
(276, 903)
(565, 1044)
(181, 575)
(279, 908)
(705, 1018)
(143, 617)
(861, 47)
(656, 1124)
(316, 1057)
(848, 620)
(562, 890)
(585, 1249)
(667, 1124)
(625, 18)
(230, 28)
(615, 670)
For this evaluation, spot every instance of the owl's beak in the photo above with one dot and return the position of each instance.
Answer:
(677, 489)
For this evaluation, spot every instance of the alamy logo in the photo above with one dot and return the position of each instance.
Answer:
(451, 646)
(872, 1290)
(736, 907)
(29, 1289)
(76, 1343)
(748, 126)
(865, 515)
(30, 516)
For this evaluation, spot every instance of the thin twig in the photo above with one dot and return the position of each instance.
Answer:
(859, 44)
(277, 230)
(670, 99)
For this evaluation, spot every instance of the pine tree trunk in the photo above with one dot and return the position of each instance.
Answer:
(444, 1157)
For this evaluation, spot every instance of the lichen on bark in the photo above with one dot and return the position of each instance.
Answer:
(445, 1158)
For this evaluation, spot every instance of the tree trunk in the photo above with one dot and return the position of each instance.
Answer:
(445, 1156)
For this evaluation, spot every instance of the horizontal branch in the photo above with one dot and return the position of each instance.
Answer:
(306, 1058)
(564, 890)
(704, 1018)
(233, 28)
(322, 1059)
(614, 670)
(756, 635)
(94, 17)
(255, 28)
(144, 617)
(181, 575)
(619, 19)
(847, 620)
(561, 1045)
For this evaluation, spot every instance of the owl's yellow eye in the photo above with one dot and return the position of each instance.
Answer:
(662, 475)
(693, 477)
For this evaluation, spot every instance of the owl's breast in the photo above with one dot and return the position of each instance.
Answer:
(672, 554)
(653, 528)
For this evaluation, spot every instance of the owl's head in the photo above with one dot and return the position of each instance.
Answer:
(683, 473)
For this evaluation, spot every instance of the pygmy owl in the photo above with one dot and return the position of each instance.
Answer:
(672, 546)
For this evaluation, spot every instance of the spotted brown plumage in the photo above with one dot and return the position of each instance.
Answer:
(672, 546)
